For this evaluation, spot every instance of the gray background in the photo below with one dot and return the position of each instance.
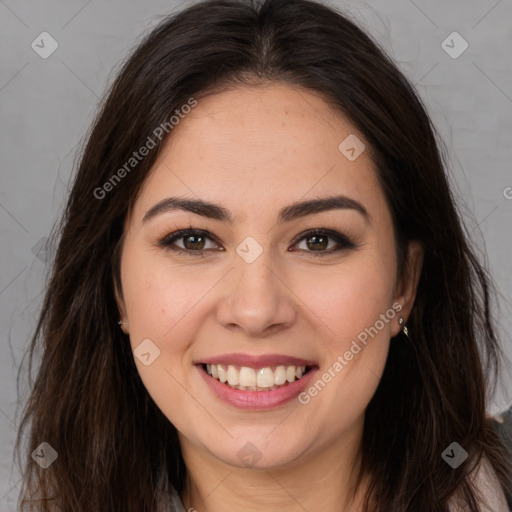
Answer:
(48, 104)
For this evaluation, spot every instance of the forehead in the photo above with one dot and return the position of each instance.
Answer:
(258, 148)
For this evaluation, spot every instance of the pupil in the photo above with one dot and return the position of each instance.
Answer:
(193, 245)
(316, 238)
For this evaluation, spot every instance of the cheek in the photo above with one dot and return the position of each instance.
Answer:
(354, 312)
(159, 301)
(159, 307)
(355, 321)
(351, 297)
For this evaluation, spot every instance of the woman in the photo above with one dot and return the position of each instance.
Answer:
(263, 297)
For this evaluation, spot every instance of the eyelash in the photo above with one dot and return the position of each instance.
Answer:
(167, 241)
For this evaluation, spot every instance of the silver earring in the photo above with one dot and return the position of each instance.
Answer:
(121, 322)
(403, 326)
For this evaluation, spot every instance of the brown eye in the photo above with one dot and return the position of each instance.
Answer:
(319, 241)
(194, 242)
(190, 241)
(315, 242)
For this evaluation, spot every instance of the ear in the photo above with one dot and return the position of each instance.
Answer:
(118, 296)
(406, 289)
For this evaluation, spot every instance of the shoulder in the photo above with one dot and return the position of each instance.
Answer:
(488, 486)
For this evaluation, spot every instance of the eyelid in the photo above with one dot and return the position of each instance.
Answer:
(339, 238)
(167, 241)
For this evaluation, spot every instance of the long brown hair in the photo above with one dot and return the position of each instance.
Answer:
(116, 449)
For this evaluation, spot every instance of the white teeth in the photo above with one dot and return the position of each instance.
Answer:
(247, 377)
(280, 375)
(290, 373)
(265, 378)
(255, 379)
(233, 379)
(223, 374)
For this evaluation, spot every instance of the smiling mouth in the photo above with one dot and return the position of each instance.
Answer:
(245, 378)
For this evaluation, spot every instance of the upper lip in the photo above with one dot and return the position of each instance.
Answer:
(254, 361)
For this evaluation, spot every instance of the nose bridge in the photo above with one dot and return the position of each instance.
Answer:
(257, 280)
(256, 298)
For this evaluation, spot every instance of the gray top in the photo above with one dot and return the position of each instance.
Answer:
(492, 491)
(176, 503)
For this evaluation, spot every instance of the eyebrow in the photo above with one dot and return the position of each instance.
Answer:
(286, 214)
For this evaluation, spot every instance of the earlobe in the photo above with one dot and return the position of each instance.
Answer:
(118, 296)
(122, 324)
(408, 286)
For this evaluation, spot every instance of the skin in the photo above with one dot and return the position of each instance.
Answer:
(254, 150)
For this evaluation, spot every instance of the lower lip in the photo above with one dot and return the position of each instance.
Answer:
(257, 400)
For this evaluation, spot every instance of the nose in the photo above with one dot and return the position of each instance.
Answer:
(256, 300)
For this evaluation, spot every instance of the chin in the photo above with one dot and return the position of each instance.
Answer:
(259, 452)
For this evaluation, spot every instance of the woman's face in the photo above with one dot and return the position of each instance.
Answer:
(255, 294)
